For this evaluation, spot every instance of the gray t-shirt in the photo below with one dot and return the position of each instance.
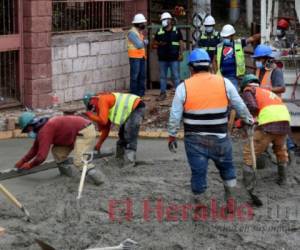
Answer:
(276, 77)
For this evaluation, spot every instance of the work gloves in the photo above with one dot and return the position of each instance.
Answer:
(25, 166)
(19, 163)
(172, 144)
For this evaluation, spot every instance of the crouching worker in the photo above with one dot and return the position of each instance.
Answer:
(273, 126)
(202, 101)
(64, 134)
(124, 110)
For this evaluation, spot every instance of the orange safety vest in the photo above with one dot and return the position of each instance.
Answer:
(266, 81)
(271, 108)
(206, 104)
(134, 52)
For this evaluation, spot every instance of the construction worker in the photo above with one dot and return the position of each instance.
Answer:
(64, 134)
(137, 55)
(269, 75)
(205, 115)
(273, 126)
(230, 58)
(281, 40)
(169, 44)
(210, 38)
(124, 110)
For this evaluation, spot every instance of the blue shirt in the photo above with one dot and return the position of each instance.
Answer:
(138, 43)
(178, 107)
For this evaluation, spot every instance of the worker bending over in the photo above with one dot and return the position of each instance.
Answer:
(273, 126)
(61, 134)
(205, 116)
(124, 110)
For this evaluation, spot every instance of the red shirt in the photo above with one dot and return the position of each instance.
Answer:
(58, 131)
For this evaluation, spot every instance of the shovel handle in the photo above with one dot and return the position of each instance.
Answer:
(252, 148)
(10, 197)
(81, 183)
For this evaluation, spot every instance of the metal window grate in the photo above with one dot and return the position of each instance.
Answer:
(9, 75)
(8, 11)
(91, 15)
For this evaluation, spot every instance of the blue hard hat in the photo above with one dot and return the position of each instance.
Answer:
(263, 50)
(199, 55)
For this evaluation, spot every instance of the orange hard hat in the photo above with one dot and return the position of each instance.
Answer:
(283, 24)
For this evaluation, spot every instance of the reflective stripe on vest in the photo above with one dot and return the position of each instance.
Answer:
(207, 40)
(134, 52)
(205, 109)
(162, 31)
(239, 58)
(266, 81)
(122, 109)
(271, 108)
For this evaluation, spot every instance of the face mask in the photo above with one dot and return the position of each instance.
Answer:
(227, 41)
(165, 23)
(209, 29)
(259, 64)
(280, 33)
(32, 135)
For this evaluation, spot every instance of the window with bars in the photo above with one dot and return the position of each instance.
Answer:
(91, 15)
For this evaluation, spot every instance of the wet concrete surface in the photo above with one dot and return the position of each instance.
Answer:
(146, 204)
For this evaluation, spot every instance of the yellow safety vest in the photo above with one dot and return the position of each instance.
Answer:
(122, 109)
(239, 57)
(134, 52)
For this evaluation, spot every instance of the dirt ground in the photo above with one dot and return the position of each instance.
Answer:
(145, 204)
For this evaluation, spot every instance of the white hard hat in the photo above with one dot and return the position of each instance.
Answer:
(165, 15)
(227, 30)
(139, 18)
(209, 20)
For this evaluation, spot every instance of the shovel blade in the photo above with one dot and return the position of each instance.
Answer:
(44, 246)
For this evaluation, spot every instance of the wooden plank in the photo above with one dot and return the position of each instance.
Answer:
(10, 42)
(14, 172)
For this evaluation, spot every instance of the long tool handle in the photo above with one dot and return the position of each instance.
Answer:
(10, 196)
(107, 248)
(81, 183)
(251, 139)
(14, 200)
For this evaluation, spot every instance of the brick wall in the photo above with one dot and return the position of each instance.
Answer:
(88, 62)
(37, 53)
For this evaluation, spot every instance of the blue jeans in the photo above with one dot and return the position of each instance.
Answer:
(199, 149)
(163, 69)
(137, 76)
(234, 81)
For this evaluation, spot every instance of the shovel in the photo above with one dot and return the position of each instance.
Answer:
(256, 201)
(14, 200)
(86, 159)
(127, 244)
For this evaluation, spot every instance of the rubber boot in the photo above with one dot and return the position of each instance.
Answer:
(282, 180)
(249, 179)
(95, 176)
(65, 168)
(120, 152)
(230, 198)
(130, 158)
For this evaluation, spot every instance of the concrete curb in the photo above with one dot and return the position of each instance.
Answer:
(12, 134)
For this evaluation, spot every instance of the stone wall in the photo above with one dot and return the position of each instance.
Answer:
(88, 62)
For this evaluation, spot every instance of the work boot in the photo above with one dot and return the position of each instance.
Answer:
(129, 158)
(282, 180)
(65, 168)
(120, 152)
(95, 176)
(249, 179)
(230, 198)
(162, 97)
